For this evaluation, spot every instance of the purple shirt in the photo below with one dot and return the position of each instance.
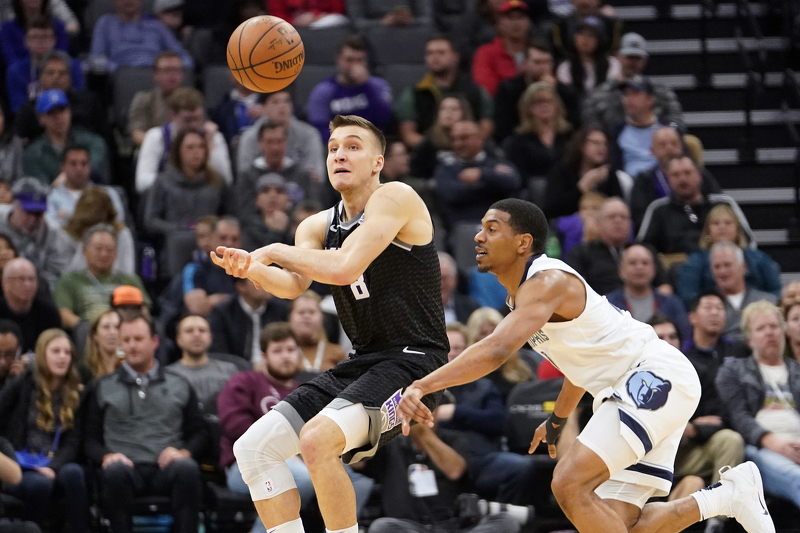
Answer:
(371, 100)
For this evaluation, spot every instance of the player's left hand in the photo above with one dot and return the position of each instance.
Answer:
(236, 262)
(540, 435)
(412, 408)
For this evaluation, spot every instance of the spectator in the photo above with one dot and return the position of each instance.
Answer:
(565, 26)
(82, 295)
(75, 169)
(239, 109)
(5, 193)
(367, 15)
(273, 143)
(417, 104)
(584, 168)
(249, 395)
(186, 113)
(21, 305)
(204, 284)
(541, 138)
(707, 316)
(237, 322)
(469, 180)
(728, 268)
(651, 184)
(144, 428)
(673, 224)
(126, 39)
(311, 13)
(42, 242)
(722, 224)
(666, 329)
(351, 91)
(10, 475)
(477, 413)
(538, 67)
(397, 167)
(587, 64)
(187, 190)
(303, 144)
(762, 397)
(22, 75)
(582, 226)
(306, 320)
(632, 140)
(791, 314)
(170, 14)
(150, 109)
(273, 223)
(55, 73)
(14, 29)
(604, 104)
(10, 153)
(42, 157)
(103, 353)
(457, 307)
(41, 414)
(11, 364)
(475, 26)
(206, 374)
(501, 59)
(637, 270)
(790, 293)
(95, 206)
(439, 139)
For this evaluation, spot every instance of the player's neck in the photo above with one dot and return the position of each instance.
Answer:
(510, 278)
(355, 201)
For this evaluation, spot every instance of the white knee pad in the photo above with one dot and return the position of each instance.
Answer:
(261, 454)
(353, 420)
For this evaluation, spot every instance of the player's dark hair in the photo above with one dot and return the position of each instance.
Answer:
(525, 217)
(275, 332)
(708, 292)
(354, 120)
(661, 318)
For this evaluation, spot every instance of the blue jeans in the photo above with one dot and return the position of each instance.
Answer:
(361, 484)
(781, 476)
(504, 477)
(37, 493)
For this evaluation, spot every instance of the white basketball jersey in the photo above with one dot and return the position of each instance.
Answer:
(595, 349)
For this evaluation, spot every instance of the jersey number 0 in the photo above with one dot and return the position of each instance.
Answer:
(359, 288)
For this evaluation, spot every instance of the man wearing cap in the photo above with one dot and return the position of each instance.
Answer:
(42, 158)
(630, 141)
(502, 58)
(82, 295)
(562, 30)
(45, 244)
(273, 223)
(21, 304)
(604, 104)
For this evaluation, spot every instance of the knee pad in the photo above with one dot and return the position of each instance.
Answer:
(261, 455)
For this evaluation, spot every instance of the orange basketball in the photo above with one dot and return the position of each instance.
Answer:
(265, 54)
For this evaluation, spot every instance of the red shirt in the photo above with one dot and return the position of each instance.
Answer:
(289, 9)
(492, 64)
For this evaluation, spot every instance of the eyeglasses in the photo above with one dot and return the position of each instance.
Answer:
(23, 279)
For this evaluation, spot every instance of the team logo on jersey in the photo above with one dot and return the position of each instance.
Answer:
(389, 418)
(648, 390)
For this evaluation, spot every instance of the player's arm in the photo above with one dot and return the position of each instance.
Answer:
(536, 301)
(386, 214)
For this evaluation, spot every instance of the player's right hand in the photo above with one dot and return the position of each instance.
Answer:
(540, 435)
(412, 408)
(236, 262)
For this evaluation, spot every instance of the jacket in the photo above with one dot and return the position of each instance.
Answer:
(604, 105)
(652, 184)
(119, 420)
(232, 329)
(15, 403)
(742, 390)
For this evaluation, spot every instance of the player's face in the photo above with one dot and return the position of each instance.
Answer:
(353, 158)
(498, 244)
(766, 335)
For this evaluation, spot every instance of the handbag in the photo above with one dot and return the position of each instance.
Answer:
(31, 461)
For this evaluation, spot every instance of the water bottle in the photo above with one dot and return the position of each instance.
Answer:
(149, 263)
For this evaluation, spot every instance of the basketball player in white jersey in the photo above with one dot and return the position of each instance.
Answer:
(644, 390)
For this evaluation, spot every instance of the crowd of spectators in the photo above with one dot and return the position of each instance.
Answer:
(118, 336)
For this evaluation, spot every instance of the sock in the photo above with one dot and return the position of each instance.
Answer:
(714, 500)
(295, 526)
(351, 529)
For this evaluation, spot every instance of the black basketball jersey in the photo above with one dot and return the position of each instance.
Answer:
(398, 299)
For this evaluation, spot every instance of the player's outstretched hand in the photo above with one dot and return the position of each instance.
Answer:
(412, 408)
(540, 435)
(236, 262)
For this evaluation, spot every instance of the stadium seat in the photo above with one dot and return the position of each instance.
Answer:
(199, 46)
(322, 45)
(309, 78)
(392, 45)
(127, 81)
(217, 82)
(370, 13)
(177, 252)
(401, 76)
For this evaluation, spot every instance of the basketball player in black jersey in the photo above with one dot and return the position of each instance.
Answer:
(375, 249)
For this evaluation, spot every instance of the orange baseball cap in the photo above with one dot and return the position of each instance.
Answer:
(126, 295)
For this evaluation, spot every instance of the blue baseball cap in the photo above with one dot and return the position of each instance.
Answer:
(51, 99)
(31, 194)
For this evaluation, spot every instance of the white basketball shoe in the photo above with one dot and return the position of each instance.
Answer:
(747, 505)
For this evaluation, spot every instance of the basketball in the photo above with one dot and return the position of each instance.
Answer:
(265, 54)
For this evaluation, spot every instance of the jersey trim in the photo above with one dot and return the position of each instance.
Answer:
(649, 470)
(637, 428)
(400, 244)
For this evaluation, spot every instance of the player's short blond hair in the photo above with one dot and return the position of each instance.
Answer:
(354, 120)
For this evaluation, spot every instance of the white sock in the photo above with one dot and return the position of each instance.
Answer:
(295, 526)
(714, 500)
(351, 529)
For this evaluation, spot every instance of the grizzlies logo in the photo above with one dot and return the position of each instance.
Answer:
(648, 390)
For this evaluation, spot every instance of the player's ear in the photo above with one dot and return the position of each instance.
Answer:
(525, 243)
(378, 166)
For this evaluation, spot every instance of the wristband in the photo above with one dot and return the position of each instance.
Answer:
(554, 432)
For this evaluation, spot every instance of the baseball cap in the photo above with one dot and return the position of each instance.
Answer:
(31, 194)
(638, 83)
(270, 180)
(165, 5)
(51, 99)
(592, 23)
(126, 295)
(633, 44)
(510, 5)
